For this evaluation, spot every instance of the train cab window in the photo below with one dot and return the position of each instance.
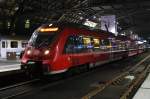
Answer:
(43, 37)
(14, 44)
(3, 44)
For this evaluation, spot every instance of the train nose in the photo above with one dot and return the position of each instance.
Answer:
(33, 54)
(36, 53)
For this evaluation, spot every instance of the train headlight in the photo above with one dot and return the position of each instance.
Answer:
(46, 52)
(28, 52)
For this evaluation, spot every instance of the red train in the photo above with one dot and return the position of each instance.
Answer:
(58, 47)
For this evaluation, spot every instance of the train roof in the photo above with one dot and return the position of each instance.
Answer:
(78, 26)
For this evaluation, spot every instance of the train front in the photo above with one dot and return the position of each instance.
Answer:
(38, 54)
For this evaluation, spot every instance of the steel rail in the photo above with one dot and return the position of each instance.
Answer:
(18, 84)
(135, 83)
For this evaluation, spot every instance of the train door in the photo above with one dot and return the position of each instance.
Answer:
(70, 50)
(106, 48)
(109, 49)
(78, 52)
(112, 47)
(77, 58)
(3, 49)
(97, 50)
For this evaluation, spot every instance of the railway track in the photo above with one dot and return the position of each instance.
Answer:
(32, 86)
(19, 84)
(16, 89)
(138, 72)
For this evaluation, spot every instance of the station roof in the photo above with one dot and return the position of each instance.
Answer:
(131, 14)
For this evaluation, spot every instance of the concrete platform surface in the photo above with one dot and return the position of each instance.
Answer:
(144, 90)
(9, 65)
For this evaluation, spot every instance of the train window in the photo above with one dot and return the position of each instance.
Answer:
(14, 44)
(118, 45)
(69, 46)
(3, 44)
(106, 42)
(105, 45)
(96, 43)
(74, 44)
(122, 45)
(113, 44)
(78, 42)
(87, 42)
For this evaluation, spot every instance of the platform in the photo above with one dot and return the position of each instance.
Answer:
(144, 91)
(9, 65)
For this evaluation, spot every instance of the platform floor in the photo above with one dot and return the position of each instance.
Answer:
(144, 91)
(9, 65)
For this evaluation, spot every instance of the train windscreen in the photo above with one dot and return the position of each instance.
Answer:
(42, 38)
